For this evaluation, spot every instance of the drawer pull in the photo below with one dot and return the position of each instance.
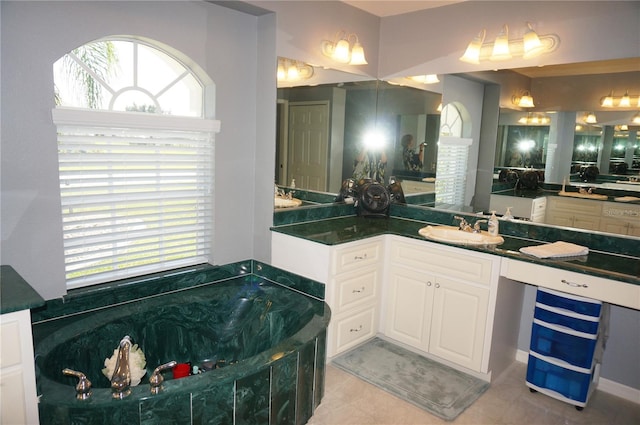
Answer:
(429, 283)
(574, 285)
(360, 257)
(437, 285)
(358, 329)
(357, 291)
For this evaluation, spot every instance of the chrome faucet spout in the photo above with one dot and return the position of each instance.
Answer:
(121, 379)
(476, 225)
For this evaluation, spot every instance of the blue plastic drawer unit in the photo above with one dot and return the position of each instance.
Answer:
(570, 383)
(567, 341)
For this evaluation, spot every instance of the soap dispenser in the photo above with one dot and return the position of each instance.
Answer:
(507, 215)
(493, 224)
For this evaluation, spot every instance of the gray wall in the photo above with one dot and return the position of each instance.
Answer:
(212, 36)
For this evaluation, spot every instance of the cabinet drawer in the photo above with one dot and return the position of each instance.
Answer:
(356, 288)
(598, 288)
(353, 256)
(575, 349)
(354, 329)
(450, 262)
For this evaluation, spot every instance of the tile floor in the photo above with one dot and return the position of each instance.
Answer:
(351, 401)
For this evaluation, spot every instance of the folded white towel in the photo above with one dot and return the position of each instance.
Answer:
(555, 250)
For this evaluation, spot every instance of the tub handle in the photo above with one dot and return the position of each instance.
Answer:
(156, 377)
(83, 389)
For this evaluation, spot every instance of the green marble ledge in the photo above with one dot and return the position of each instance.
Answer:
(551, 189)
(609, 257)
(16, 294)
(126, 290)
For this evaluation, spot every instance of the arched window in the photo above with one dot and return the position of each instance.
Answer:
(135, 156)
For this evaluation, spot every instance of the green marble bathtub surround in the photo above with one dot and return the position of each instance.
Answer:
(290, 280)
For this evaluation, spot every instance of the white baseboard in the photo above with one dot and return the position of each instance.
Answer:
(604, 385)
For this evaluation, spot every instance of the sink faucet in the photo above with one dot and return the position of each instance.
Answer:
(464, 226)
(121, 379)
(476, 225)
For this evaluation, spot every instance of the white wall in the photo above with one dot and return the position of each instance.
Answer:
(36, 34)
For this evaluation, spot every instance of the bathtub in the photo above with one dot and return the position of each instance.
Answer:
(261, 347)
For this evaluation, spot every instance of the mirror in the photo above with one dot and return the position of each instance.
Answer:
(322, 128)
(586, 83)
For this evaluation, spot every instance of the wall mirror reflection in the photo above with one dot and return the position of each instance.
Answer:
(553, 138)
(325, 130)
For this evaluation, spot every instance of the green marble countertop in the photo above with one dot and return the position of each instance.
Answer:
(15, 293)
(348, 229)
(612, 194)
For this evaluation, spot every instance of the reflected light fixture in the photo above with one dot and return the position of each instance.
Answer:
(626, 101)
(524, 101)
(425, 79)
(291, 70)
(636, 118)
(534, 119)
(590, 118)
(340, 49)
(530, 46)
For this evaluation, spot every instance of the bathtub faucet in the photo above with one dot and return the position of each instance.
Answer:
(121, 379)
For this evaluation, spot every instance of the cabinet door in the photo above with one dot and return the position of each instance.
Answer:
(559, 218)
(614, 225)
(409, 307)
(458, 322)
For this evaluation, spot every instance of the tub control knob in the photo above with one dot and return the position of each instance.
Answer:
(156, 377)
(83, 389)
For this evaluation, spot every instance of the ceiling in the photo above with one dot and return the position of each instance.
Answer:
(391, 8)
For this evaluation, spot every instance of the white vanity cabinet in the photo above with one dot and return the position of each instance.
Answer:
(17, 374)
(437, 300)
(352, 273)
(572, 212)
(530, 208)
(584, 285)
(620, 218)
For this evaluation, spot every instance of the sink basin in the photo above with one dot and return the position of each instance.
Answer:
(287, 203)
(452, 234)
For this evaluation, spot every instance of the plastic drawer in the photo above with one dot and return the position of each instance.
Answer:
(570, 383)
(575, 350)
(577, 324)
(568, 302)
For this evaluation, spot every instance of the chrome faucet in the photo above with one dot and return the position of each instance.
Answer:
(121, 379)
(476, 225)
(464, 226)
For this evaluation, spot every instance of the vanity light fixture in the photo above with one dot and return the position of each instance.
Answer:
(340, 49)
(425, 79)
(530, 46)
(626, 101)
(292, 70)
(524, 101)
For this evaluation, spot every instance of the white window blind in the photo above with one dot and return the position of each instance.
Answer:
(136, 192)
(451, 174)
